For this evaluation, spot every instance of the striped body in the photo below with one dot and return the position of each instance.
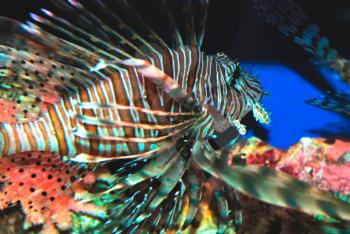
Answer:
(120, 91)
(136, 108)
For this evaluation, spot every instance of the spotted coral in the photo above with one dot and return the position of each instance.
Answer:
(46, 188)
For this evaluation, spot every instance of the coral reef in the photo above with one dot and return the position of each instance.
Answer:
(41, 192)
(316, 161)
(313, 160)
(47, 189)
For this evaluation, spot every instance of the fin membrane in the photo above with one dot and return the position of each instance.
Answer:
(334, 101)
(271, 186)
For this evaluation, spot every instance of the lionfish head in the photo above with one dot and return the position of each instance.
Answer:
(244, 92)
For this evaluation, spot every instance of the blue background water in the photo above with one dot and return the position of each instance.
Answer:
(292, 118)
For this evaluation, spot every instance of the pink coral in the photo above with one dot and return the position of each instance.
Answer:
(337, 150)
(312, 160)
(336, 178)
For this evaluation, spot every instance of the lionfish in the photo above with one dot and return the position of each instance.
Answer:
(292, 21)
(97, 84)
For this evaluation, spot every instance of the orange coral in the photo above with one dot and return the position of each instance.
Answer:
(45, 187)
(259, 152)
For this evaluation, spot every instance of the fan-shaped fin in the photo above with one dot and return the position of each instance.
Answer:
(195, 187)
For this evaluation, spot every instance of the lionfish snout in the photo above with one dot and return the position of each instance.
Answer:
(254, 92)
(246, 93)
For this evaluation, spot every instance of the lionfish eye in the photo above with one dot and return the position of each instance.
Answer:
(231, 67)
(235, 73)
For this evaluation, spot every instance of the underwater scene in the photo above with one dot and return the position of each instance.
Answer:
(174, 116)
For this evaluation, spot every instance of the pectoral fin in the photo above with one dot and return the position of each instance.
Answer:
(271, 186)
